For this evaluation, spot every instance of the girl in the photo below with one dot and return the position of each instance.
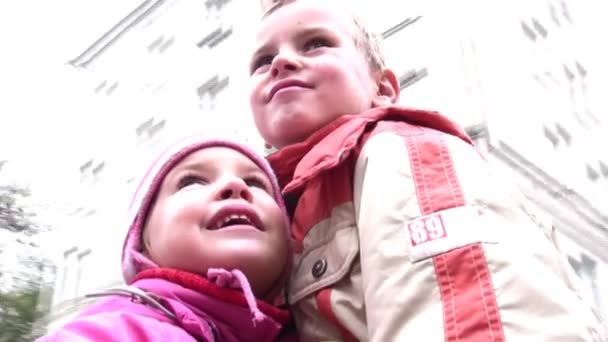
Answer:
(206, 255)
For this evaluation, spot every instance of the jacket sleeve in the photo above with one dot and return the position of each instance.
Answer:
(115, 327)
(448, 252)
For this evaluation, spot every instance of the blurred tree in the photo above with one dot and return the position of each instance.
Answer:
(20, 310)
(22, 282)
(13, 216)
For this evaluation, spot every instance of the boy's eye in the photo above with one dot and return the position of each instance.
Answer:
(315, 43)
(190, 180)
(257, 182)
(260, 62)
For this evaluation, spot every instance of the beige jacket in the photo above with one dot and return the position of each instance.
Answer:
(403, 234)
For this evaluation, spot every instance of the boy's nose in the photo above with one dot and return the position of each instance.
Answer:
(284, 62)
(234, 189)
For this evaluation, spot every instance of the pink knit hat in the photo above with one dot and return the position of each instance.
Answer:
(133, 261)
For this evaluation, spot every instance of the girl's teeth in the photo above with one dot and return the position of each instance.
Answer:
(232, 217)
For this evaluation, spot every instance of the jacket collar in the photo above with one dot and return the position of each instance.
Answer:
(199, 305)
(296, 164)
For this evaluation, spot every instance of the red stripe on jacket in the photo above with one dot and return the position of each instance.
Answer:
(470, 310)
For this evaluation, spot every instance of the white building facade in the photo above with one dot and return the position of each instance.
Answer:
(542, 75)
(171, 68)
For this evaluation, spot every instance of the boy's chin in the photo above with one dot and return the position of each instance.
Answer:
(295, 134)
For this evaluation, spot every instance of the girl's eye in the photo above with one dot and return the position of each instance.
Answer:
(260, 62)
(316, 43)
(190, 180)
(257, 182)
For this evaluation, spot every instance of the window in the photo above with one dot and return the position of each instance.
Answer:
(582, 72)
(578, 92)
(107, 87)
(477, 131)
(603, 169)
(209, 37)
(563, 133)
(553, 79)
(155, 43)
(209, 90)
(98, 168)
(166, 44)
(553, 12)
(411, 77)
(89, 213)
(586, 269)
(74, 264)
(539, 28)
(161, 44)
(149, 131)
(100, 86)
(80, 269)
(569, 73)
(539, 80)
(218, 4)
(552, 137)
(149, 128)
(91, 170)
(528, 31)
(213, 86)
(65, 286)
(400, 26)
(592, 174)
(214, 38)
(566, 12)
(580, 69)
(86, 165)
(111, 88)
(76, 211)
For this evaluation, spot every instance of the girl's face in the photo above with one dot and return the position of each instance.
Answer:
(215, 209)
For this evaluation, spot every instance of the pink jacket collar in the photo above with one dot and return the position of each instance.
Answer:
(199, 305)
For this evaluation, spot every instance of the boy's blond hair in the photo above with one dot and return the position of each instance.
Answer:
(368, 42)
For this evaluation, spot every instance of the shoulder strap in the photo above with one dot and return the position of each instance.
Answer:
(137, 295)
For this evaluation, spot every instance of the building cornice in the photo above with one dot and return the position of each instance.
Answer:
(573, 214)
(115, 33)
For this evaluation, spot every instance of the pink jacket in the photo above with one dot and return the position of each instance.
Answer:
(202, 310)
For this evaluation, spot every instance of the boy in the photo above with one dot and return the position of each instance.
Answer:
(401, 232)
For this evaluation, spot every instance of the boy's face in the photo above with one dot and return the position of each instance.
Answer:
(215, 210)
(307, 71)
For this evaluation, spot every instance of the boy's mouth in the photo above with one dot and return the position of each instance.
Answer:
(233, 215)
(287, 83)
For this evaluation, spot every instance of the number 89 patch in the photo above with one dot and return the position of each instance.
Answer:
(448, 229)
(426, 229)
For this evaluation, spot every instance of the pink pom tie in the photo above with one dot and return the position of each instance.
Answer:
(235, 279)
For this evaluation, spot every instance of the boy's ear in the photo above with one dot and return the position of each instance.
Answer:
(388, 88)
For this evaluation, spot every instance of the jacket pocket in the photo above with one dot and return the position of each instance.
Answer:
(329, 250)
